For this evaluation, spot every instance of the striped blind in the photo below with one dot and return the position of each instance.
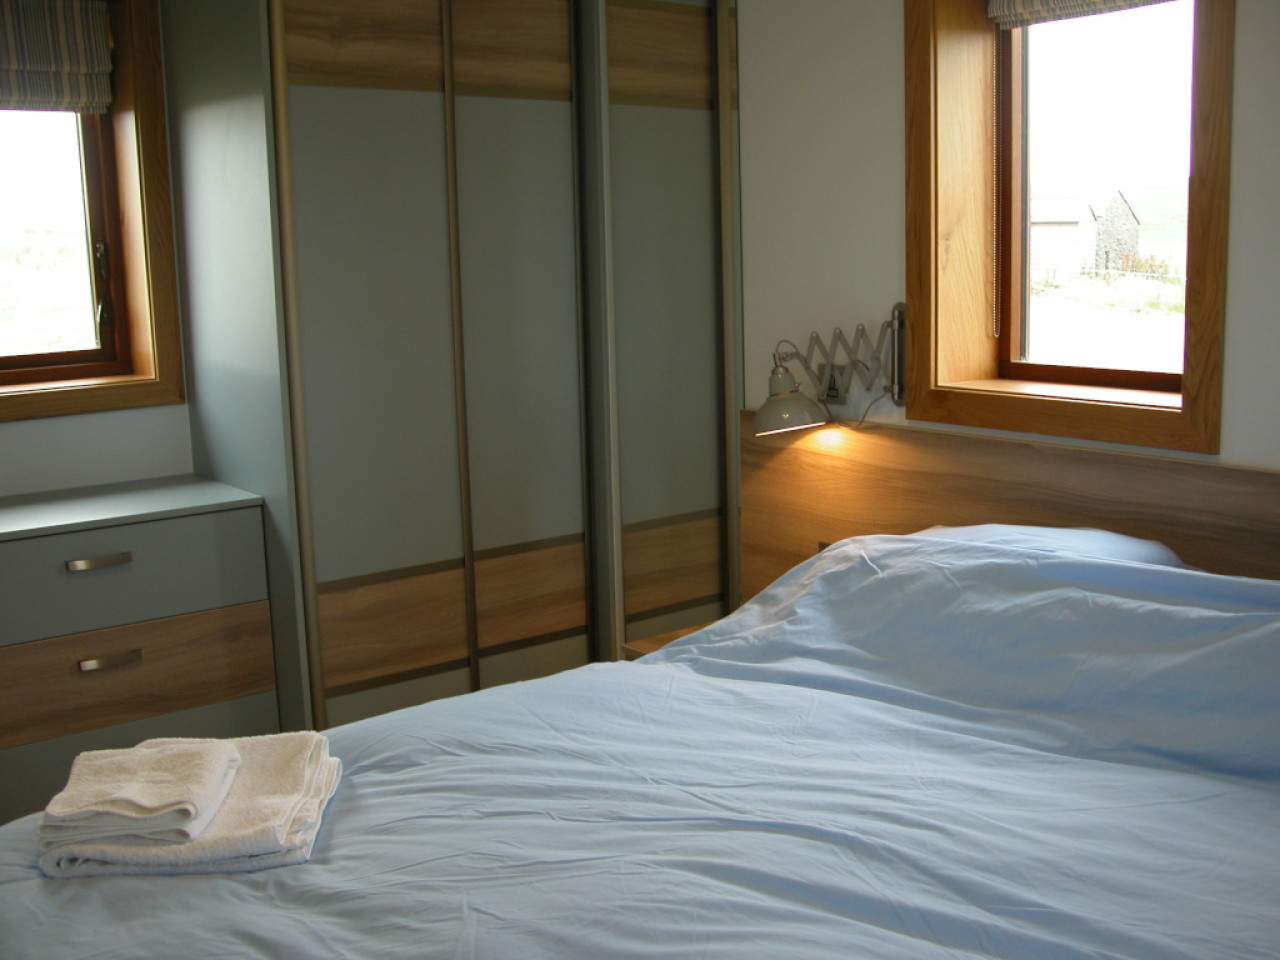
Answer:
(55, 55)
(1008, 14)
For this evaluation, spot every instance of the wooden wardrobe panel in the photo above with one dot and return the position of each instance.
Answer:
(364, 43)
(660, 54)
(512, 48)
(532, 593)
(373, 633)
(670, 565)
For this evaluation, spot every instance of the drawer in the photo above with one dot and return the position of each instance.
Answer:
(161, 568)
(49, 688)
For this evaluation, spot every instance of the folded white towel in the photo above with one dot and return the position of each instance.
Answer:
(269, 818)
(164, 790)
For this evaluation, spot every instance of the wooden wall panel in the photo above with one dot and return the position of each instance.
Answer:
(836, 482)
(532, 593)
(385, 630)
(364, 43)
(671, 565)
(660, 54)
(512, 48)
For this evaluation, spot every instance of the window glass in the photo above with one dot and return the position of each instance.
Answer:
(46, 287)
(1107, 158)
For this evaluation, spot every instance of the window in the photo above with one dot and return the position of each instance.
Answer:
(981, 259)
(1095, 121)
(57, 305)
(88, 309)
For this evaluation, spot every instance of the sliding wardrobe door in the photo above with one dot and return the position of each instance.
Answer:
(431, 185)
(663, 156)
(518, 259)
(435, 223)
(375, 328)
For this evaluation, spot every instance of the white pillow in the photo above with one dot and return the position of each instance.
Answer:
(1077, 541)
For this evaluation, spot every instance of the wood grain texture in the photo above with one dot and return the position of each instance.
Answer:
(388, 629)
(672, 564)
(147, 256)
(187, 661)
(950, 351)
(824, 485)
(643, 646)
(921, 236)
(660, 54)
(964, 167)
(512, 48)
(531, 594)
(1208, 202)
(364, 43)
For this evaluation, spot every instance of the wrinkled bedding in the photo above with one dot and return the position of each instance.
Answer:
(907, 747)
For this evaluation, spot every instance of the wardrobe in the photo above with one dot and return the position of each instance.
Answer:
(499, 308)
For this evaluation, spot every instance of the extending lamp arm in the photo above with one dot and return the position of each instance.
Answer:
(833, 368)
(788, 409)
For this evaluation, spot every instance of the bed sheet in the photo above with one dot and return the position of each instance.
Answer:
(774, 787)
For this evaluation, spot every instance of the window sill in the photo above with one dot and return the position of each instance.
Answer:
(64, 398)
(1109, 414)
(1071, 391)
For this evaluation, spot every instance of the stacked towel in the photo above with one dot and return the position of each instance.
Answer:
(163, 790)
(268, 818)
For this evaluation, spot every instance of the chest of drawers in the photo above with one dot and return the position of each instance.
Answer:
(127, 612)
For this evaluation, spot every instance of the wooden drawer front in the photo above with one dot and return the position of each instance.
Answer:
(143, 669)
(178, 565)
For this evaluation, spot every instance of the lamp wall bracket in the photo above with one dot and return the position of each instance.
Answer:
(833, 365)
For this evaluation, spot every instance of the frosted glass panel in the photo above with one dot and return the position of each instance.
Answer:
(376, 327)
(665, 296)
(519, 307)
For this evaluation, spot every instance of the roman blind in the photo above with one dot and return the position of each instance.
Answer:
(55, 55)
(1008, 14)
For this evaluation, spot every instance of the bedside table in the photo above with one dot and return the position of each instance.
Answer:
(635, 649)
(128, 611)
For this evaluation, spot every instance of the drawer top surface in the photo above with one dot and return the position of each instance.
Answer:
(88, 507)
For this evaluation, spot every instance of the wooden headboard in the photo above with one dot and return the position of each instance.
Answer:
(839, 481)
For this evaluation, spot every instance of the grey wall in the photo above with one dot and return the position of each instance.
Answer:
(220, 121)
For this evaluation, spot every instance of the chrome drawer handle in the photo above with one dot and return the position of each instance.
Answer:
(97, 563)
(110, 663)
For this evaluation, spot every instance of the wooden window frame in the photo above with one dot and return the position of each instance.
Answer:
(953, 277)
(1011, 278)
(142, 365)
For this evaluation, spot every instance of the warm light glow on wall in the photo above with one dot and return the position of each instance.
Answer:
(833, 438)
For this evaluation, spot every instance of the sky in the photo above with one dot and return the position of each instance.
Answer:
(1117, 91)
(39, 169)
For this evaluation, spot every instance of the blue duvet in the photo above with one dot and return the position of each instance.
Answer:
(905, 748)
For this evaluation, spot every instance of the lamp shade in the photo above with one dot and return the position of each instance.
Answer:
(787, 408)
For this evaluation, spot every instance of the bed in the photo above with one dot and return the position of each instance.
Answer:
(986, 743)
